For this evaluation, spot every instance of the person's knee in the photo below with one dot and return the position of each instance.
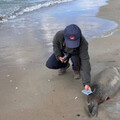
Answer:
(49, 65)
(53, 63)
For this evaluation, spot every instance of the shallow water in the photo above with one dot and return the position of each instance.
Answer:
(13, 8)
(41, 25)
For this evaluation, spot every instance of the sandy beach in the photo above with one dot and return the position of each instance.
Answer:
(30, 91)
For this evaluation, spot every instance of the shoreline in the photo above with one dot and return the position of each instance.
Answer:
(110, 14)
(111, 9)
(107, 45)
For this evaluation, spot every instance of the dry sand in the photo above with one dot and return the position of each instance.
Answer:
(39, 94)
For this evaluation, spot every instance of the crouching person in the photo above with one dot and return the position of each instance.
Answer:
(70, 44)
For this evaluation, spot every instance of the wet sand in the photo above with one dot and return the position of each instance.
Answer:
(30, 91)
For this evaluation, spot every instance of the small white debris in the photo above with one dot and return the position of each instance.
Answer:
(118, 68)
(16, 88)
(76, 98)
(10, 80)
(48, 80)
(8, 75)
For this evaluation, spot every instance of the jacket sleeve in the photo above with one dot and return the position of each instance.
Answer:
(56, 45)
(85, 64)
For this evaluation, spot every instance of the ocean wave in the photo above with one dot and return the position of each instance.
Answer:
(21, 11)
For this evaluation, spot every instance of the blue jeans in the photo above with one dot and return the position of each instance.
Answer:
(53, 63)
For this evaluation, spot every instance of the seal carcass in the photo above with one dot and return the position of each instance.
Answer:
(105, 86)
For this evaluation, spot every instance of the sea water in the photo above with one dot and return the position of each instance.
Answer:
(46, 17)
(12, 8)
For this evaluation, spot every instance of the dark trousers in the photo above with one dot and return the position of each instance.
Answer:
(53, 63)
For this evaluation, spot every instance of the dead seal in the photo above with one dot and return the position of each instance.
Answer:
(105, 86)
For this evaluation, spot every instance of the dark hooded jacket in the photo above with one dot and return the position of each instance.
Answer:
(59, 49)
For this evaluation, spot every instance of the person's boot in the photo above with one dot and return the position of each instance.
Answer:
(76, 74)
(63, 70)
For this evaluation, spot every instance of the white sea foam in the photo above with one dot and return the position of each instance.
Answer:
(110, 34)
(46, 4)
(34, 7)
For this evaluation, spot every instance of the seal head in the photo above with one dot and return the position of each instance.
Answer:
(93, 109)
(93, 101)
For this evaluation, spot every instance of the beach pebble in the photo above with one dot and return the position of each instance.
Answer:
(16, 88)
(76, 98)
(78, 115)
(8, 75)
(48, 80)
(10, 80)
